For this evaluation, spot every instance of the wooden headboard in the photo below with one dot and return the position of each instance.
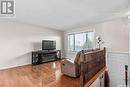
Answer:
(93, 63)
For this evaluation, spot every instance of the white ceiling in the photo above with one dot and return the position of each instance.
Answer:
(67, 14)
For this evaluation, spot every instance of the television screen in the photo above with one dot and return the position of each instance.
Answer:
(48, 45)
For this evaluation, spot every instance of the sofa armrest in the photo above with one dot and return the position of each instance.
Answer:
(67, 62)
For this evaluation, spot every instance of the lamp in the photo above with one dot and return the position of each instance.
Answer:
(99, 41)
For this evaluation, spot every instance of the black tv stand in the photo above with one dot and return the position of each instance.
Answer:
(42, 56)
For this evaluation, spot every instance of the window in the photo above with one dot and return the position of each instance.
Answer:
(80, 40)
(71, 42)
(77, 42)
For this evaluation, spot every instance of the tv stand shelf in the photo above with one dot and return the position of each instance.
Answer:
(42, 56)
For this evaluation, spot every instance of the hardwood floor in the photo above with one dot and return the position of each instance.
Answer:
(44, 75)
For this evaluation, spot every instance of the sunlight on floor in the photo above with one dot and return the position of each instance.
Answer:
(54, 65)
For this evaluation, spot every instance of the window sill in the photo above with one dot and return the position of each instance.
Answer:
(73, 52)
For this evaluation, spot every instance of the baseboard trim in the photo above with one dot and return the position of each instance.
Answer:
(116, 52)
(16, 66)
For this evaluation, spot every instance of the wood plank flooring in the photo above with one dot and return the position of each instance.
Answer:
(44, 75)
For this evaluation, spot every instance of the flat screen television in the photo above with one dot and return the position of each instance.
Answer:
(48, 45)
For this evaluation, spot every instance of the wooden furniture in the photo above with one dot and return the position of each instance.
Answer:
(98, 75)
(42, 56)
(94, 62)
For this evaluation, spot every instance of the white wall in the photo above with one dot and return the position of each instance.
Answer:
(116, 68)
(17, 41)
(115, 34)
(129, 51)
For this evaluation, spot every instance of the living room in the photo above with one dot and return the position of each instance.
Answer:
(63, 29)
